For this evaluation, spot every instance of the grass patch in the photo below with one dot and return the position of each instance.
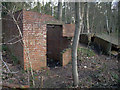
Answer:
(115, 76)
(14, 58)
(10, 54)
(11, 81)
(86, 51)
(4, 48)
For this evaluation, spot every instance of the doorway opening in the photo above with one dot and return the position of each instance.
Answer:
(54, 35)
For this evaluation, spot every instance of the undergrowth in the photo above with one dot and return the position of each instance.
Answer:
(86, 51)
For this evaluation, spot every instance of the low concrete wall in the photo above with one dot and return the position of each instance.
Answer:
(103, 44)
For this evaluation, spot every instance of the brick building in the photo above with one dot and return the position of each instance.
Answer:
(43, 38)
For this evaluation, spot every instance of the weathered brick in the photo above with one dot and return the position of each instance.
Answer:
(34, 29)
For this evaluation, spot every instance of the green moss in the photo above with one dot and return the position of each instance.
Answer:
(14, 58)
(11, 55)
(115, 76)
(63, 51)
(4, 48)
(11, 81)
(86, 51)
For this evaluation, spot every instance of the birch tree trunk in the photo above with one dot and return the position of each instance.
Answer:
(60, 10)
(75, 44)
(70, 5)
(52, 8)
(88, 27)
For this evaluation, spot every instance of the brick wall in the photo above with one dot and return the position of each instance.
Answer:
(66, 57)
(68, 30)
(34, 31)
(33, 49)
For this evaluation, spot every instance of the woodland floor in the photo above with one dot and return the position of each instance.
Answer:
(95, 71)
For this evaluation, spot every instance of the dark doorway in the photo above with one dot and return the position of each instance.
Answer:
(54, 34)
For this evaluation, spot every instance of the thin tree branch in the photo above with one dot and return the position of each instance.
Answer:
(6, 64)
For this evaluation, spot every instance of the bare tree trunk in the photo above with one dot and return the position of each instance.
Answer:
(118, 39)
(43, 5)
(108, 9)
(60, 11)
(0, 45)
(88, 27)
(82, 15)
(75, 44)
(119, 19)
(70, 5)
(0, 25)
(65, 20)
(52, 8)
(39, 6)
